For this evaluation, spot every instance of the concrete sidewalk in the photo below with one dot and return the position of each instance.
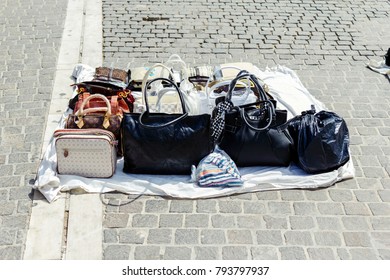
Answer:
(326, 42)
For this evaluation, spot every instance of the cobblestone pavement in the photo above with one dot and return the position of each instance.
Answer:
(30, 34)
(328, 44)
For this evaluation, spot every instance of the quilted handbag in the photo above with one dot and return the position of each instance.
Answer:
(253, 134)
(85, 152)
(158, 143)
(98, 117)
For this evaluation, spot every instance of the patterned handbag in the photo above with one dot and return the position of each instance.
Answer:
(124, 96)
(85, 152)
(98, 117)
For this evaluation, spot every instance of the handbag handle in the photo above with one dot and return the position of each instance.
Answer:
(267, 103)
(176, 59)
(81, 112)
(251, 77)
(146, 112)
(223, 82)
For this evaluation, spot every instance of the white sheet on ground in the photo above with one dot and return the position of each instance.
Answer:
(286, 88)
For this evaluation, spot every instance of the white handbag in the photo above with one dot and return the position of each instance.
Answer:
(86, 152)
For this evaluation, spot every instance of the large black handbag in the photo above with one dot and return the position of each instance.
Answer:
(254, 134)
(158, 143)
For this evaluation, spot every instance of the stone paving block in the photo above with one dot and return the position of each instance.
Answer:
(187, 236)
(330, 208)
(254, 207)
(206, 206)
(132, 236)
(235, 253)
(239, 237)
(110, 236)
(264, 253)
(7, 237)
(357, 239)
(156, 206)
(159, 236)
(116, 252)
(279, 208)
(275, 222)
(11, 253)
(249, 221)
(212, 236)
(320, 254)
(317, 195)
(144, 220)
(384, 254)
(7, 208)
(196, 220)
(177, 253)
(292, 253)
(301, 222)
(327, 238)
(380, 223)
(363, 254)
(115, 220)
(269, 237)
(328, 223)
(305, 208)
(181, 206)
(298, 238)
(230, 206)
(171, 220)
(207, 253)
(355, 223)
(132, 207)
(147, 253)
(222, 221)
(340, 195)
(15, 221)
(379, 209)
(356, 208)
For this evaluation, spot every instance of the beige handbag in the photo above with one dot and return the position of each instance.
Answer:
(86, 152)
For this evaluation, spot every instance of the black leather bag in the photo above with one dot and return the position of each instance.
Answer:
(158, 143)
(254, 134)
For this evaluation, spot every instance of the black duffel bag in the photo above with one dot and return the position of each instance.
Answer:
(254, 134)
(158, 143)
(321, 140)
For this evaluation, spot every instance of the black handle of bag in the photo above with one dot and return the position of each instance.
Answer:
(245, 74)
(267, 103)
(271, 115)
(146, 112)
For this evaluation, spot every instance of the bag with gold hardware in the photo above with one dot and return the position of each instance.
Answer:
(98, 117)
(124, 96)
(85, 152)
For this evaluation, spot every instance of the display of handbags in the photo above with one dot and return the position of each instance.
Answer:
(154, 138)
